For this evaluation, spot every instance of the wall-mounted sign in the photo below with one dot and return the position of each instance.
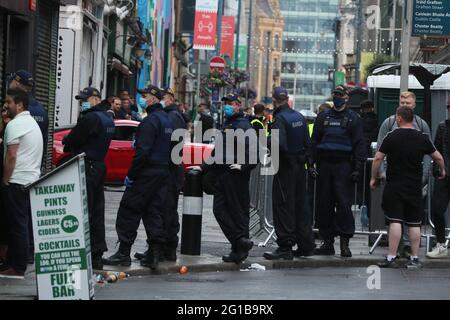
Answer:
(431, 17)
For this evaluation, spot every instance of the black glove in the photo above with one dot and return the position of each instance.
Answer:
(356, 171)
(355, 176)
(313, 172)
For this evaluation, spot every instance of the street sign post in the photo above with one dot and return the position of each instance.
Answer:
(61, 233)
(431, 18)
(217, 64)
(406, 44)
(195, 67)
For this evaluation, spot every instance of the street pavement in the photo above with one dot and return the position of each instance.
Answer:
(214, 245)
(292, 284)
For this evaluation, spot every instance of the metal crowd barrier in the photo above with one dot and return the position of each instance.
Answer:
(262, 216)
(261, 202)
(430, 191)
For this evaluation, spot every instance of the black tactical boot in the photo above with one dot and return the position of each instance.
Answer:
(243, 246)
(97, 262)
(140, 255)
(303, 253)
(152, 258)
(120, 258)
(280, 253)
(326, 249)
(345, 250)
(170, 252)
(232, 256)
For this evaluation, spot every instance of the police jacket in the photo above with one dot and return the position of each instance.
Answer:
(370, 128)
(236, 143)
(92, 134)
(442, 143)
(176, 117)
(339, 135)
(39, 114)
(153, 141)
(207, 124)
(293, 135)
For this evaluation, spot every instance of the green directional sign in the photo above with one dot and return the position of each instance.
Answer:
(242, 61)
(431, 17)
(339, 78)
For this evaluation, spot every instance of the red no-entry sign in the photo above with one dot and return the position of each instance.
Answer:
(217, 64)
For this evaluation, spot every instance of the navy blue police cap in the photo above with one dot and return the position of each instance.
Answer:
(88, 92)
(232, 97)
(23, 77)
(153, 90)
(280, 93)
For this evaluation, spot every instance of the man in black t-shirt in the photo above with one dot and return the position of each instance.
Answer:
(402, 197)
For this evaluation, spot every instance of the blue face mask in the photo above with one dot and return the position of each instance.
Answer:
(163, 103)
(228, 110)
(85, 106)
(142, 103)
(339, 102)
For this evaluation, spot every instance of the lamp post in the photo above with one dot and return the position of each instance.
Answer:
(359, 31)
(406, 44)
(238, 32)
(297, 69)
(249, 43)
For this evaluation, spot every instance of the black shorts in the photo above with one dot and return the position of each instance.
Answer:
(403, 207)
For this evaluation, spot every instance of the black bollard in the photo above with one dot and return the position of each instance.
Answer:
(191, 233)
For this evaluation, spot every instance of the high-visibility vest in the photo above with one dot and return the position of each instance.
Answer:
(311, 129)
(262, 124)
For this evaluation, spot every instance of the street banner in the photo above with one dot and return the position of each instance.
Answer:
(61, 233)
(205, 25)
(242, 52)
(227, 38)
(431, 18)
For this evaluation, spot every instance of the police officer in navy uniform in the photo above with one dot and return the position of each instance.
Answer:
(231, 204)
(175, 185)
(292, 219)
(23, 80)
(339, 151)
(147, 186)
(92, 135)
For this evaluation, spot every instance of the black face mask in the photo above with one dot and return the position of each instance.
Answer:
(339, 102)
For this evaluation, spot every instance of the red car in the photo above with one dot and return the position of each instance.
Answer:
(120, 153)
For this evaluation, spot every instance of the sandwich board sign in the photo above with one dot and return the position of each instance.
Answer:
(61, 233)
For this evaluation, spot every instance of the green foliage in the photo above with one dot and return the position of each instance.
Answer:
(379, 59)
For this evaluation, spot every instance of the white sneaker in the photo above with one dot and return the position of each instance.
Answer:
(438, 252)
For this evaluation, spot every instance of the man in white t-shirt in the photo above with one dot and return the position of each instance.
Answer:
(22, 162)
